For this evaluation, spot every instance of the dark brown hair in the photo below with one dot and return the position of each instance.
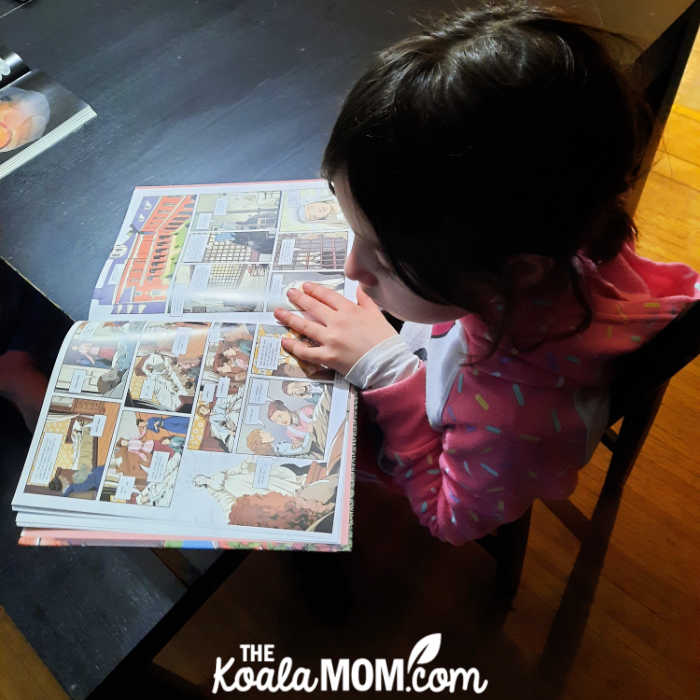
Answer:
(502, 130)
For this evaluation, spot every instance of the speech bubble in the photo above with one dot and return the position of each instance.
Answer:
(208, 392)
(222, 387)
(182, 339)
(204, 220)
(77, 381)
(195, 247)
(158, 466)
(286, 256)
(268, 352)
(200, 276)
(98, 425)
(46, 459)
(177, 301)
(252, 415)
(261, 479)
(124, 488)
(147, 388)
(258, 391)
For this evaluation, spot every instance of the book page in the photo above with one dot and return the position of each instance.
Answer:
(197, 252)
(11, 66)
(35, 112)
(177, 425)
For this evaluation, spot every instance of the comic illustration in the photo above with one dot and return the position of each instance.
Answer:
(237, 211)
(137, 276)
(313, 209)
(281, 283)
(280, 421)
(230, 246)
(144, 464)
(98, 358)
(271, 493)
(167, 365)
(220, 396)
(311, 251)
(73, 449)
(271, 359)
(219, 288)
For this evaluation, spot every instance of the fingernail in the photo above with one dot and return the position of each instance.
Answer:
(292, 292)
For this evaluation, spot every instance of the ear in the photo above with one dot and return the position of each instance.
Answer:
(528, 270)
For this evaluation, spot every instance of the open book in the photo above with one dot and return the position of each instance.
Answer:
(35, 112)
(174, 417)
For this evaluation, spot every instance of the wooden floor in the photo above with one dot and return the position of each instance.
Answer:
(637, 636)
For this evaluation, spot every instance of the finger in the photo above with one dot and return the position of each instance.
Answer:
(300, 324)
(327, 296)
(302, 351)
(320, 311)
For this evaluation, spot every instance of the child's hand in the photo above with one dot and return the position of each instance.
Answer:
(343, 331)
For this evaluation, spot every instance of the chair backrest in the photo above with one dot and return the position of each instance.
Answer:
(641, 373)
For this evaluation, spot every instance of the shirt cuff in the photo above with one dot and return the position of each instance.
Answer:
(386, 363)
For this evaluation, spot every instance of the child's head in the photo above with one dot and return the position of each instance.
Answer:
(485, 154)
(278, 412)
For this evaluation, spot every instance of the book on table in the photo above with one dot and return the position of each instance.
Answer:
(174, 416)
(35, 112)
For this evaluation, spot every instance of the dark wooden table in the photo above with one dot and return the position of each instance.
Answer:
(186, 91)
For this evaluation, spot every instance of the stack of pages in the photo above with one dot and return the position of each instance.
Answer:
(174, 417)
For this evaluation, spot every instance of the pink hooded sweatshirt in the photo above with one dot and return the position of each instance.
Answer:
(472, 445)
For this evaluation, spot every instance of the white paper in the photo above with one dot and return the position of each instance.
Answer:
(158, 466)
(46, 459)
(147, 389)
(124, 488)
(258, 391)
(182, 339)
(261, 479)
(268, 356)
(208, 392)
(77, 381)
(97, 426)
(203, 220)
(220, 206)
(286, 252)
(222, 386)
(195, 247)
(252, 415)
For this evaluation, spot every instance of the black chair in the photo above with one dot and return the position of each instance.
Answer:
(641, 378)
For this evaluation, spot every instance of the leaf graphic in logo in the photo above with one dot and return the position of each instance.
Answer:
(425, 650)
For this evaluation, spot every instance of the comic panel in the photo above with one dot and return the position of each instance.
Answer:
(141, 265)
(266, 492)
(167, 365)
(237, 211)
(146, 458)
(220, 395)
(230, 246)
(219, 288)
(280, 421)
(311, 251)
(73, 449)
(312, 209)
(282, 282)
(272, 360)
(98, 358)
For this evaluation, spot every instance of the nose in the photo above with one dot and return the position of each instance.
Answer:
(355, 270)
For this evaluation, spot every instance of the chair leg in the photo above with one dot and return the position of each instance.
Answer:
(511, 547)
(629, 442)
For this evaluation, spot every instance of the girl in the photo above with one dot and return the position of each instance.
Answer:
(482, 165)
